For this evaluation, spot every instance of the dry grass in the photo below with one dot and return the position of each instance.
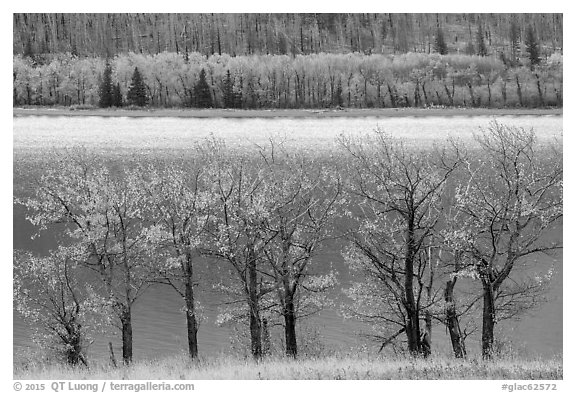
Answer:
(334, 367)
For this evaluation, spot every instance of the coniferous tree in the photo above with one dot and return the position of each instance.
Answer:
(482, 51)
(228, 91)
(532, 47)
(106, 98)
(440, 44)
(137, 91)
(117, 96)
(202, 92)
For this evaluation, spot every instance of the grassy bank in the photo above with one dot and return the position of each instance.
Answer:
(285, 113)
(323, 368)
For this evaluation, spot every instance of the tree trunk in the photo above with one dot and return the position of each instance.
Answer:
(286, 103)
(417, 94)
(349, 91)
(540, 95)
(412, 331)
(488, 321)
(450, 96)
(290, 327)
(452, 321)
(426, 336)
(332, 79)
(112, 356)
(297, 90)
(74, 348)
(412, 323)
(365, 92)
(191, 324)
(126, 320)
(519, 90)
(15, 92)
(393, 100)
(254, 306)
(426, 101)
(559, 99)
(266, 344)
(471, 91)
(406, 100)
(438, 98)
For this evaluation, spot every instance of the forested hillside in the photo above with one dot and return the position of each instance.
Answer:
(288, 60)
(247, 34)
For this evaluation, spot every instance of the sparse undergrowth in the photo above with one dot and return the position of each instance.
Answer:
(334, 367)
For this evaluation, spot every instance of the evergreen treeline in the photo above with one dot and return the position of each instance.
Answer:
(169, 79)
(247, 34)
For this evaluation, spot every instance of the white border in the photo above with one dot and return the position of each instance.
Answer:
(293, 6)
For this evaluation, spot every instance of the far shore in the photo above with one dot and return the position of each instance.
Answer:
(285, 113)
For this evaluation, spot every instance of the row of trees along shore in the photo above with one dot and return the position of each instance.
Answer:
(443, 236)
(280, 81)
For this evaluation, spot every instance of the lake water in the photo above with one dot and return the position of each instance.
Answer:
(123, 133)
(159, 326)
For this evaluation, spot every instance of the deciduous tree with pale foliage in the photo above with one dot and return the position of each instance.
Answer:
(304, 199)
(236, 237)
(101, 213)
(51, 293)
(178, 203)
(508, 204)
(397, 203)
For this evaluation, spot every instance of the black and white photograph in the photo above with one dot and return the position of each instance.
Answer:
(286, 196)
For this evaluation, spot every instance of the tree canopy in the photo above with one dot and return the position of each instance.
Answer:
(137, 90)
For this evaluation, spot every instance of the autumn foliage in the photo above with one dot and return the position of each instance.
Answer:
(321, 80)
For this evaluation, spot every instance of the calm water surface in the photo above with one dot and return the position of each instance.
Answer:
(159, 326)
(41, 132)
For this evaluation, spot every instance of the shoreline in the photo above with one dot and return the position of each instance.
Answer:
(286, 113)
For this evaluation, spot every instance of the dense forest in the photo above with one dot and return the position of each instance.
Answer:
(288, 60)
(248, 34)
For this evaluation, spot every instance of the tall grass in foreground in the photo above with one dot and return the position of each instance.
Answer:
(332, 367)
